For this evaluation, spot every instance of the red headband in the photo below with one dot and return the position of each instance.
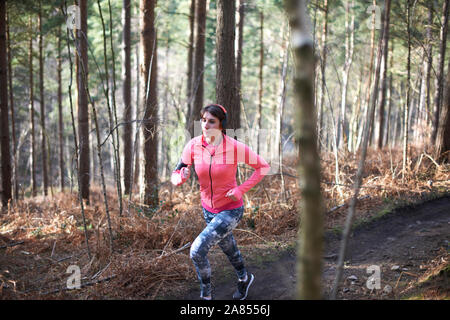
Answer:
(221, 107)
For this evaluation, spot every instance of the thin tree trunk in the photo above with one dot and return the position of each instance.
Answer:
(240, 49)
(389, 98)
(280, 114)
(42, 103)
(83, 111)
(126, 76)
(116, 145)
(322, 70)
(440, 71)
(80, 198)
(383, 77)
(261, 84)
(372, 52)
(60, 113)
(408, 93)
(190, 63)
(15, 184)
(136, 144)
(349, 45)
(4, 130)
(309, 258)
(111, 114)
(32, 128)
(149, 101)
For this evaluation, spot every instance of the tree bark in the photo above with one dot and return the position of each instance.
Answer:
(322, 71)
(384, 76)
(199, 59)
(190, 63)
(126, 76)
(15, 184)
(372, 53)
(4, 130)
(443, 134)
(32, 128)
(226, 90)
(440, 71)
(42, 103)
(408, 92)
(349, 45)
(60, 114)
(83, 111)
(309, 257)
(261, 83)
(240, 49)
(149, 101)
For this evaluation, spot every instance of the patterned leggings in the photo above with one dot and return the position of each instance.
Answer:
(218, 231)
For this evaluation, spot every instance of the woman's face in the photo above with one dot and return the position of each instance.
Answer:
(210, 125)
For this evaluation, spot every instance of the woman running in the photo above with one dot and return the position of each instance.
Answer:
(215, 157)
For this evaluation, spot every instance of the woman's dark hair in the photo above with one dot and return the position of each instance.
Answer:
(217, 112)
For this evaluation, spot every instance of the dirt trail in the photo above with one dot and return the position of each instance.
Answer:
(405, 238)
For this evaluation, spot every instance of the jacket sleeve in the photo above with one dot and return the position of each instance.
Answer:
(182, 171)
(261, 167)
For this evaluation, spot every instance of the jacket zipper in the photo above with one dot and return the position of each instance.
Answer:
(210, 179)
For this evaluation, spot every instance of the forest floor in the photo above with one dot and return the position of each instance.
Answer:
(401, 227)
(410, 245)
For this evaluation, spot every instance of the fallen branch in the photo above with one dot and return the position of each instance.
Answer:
(187, 245)
(12, 244)
(341, 205)
(252, 234)
(86, 284)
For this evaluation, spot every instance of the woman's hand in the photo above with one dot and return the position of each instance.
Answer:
(184, 173)
(180, 176)
(234, 194)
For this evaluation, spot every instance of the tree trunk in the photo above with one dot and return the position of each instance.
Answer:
(443, 134)
(241, 11)
(83, 111)
(75, 140)
(372, 52)
(126, 76)
(280, 114)
(322, 71)
(226, 90)
(349, 45)
(4, 130)
(424, 103)
(42, 103)
(408, 93)
(199, 58)
(32, 128)
(136, 145)
(384, 76)
(149, 101)
(13, 117)
(261, 83)
(190, 63)
(440, 71)
(309, 257)
(389, 99)
(60, 113)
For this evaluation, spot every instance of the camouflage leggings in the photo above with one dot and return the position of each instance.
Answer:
(218, 231)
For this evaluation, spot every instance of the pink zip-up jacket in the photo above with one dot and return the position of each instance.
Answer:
(216, 170)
